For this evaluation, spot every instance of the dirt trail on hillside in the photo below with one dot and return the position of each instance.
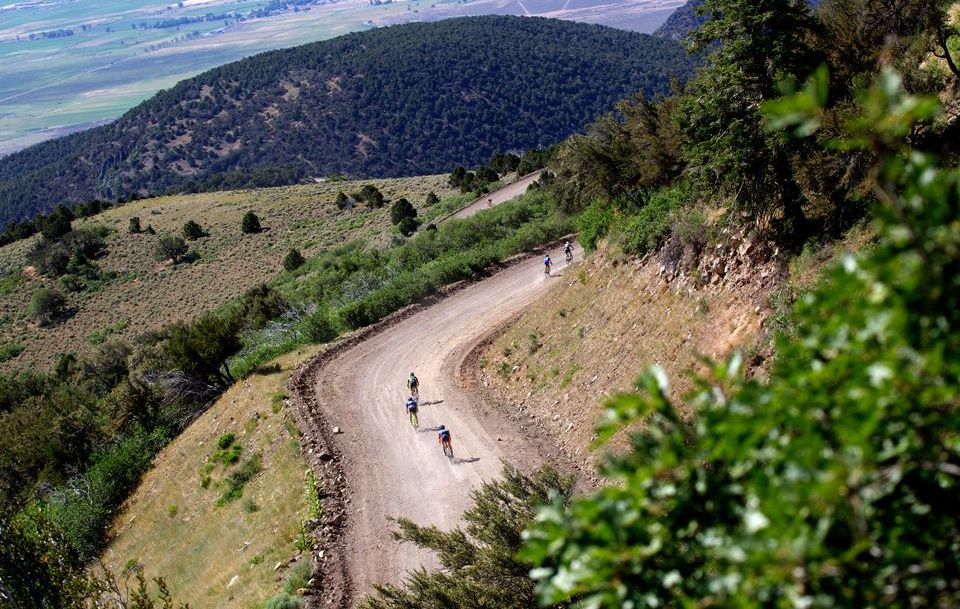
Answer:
(388, 469)
(500, 195)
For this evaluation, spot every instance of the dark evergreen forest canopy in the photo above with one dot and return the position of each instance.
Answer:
(404, 100)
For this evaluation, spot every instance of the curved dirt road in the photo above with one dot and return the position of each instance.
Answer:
(392, 470)
(498, 196)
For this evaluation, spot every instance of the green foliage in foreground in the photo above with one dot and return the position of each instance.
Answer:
(37, 569)
(835, 483)
(479, 564)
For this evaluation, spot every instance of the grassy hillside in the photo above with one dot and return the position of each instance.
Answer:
(404, 100)
(143, 294)
(233, 548)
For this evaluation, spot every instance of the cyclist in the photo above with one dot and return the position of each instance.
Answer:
(446, 444)
(546, 264)
(568, 250)
(411, 407)
(413, 384)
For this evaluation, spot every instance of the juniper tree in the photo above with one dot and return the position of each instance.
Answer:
(479, 565)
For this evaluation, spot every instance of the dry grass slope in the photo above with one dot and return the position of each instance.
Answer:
(612, 316)
(599, 328)
(146, 295)
(220, 556)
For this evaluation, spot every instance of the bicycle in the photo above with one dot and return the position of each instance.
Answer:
(445, 441)
(415, 390)
(414, 420)
(569, 254)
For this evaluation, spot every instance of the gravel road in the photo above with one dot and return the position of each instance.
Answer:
(390, 469)
(500, 195)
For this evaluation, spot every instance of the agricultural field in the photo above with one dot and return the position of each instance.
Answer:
(70, 65)
(139, 293)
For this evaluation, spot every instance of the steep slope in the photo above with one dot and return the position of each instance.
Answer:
(403, 100)
(613, 316)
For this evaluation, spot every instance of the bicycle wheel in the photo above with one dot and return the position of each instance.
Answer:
(414, 420)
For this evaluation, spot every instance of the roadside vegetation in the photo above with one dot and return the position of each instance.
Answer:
(250, 428)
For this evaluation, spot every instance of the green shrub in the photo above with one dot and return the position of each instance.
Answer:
(192, 230)
(401, 209)
(371, 196)
(250, 223)
(478, 564)
(298, 576)
(228, 456)
(134, 226)
(8, 351)
(408, 226)
(594, 223)
(225, 440)
(643, 232)
(284, 601)
(239, 478)
(318, 328)
(49, 258)
(46, 305)
(293, 260)
(57, 224)
(170, 247)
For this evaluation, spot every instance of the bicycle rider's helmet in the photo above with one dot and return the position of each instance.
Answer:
(441, 428)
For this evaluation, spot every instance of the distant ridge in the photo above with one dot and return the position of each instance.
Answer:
(397, 101)
(685, 19)
(681, 22)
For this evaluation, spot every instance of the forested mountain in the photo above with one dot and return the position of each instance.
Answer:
(395, 101)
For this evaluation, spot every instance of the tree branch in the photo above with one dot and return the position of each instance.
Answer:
(942, 39)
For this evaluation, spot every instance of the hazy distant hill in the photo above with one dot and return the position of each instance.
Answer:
(403, 100)
(683, 20)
